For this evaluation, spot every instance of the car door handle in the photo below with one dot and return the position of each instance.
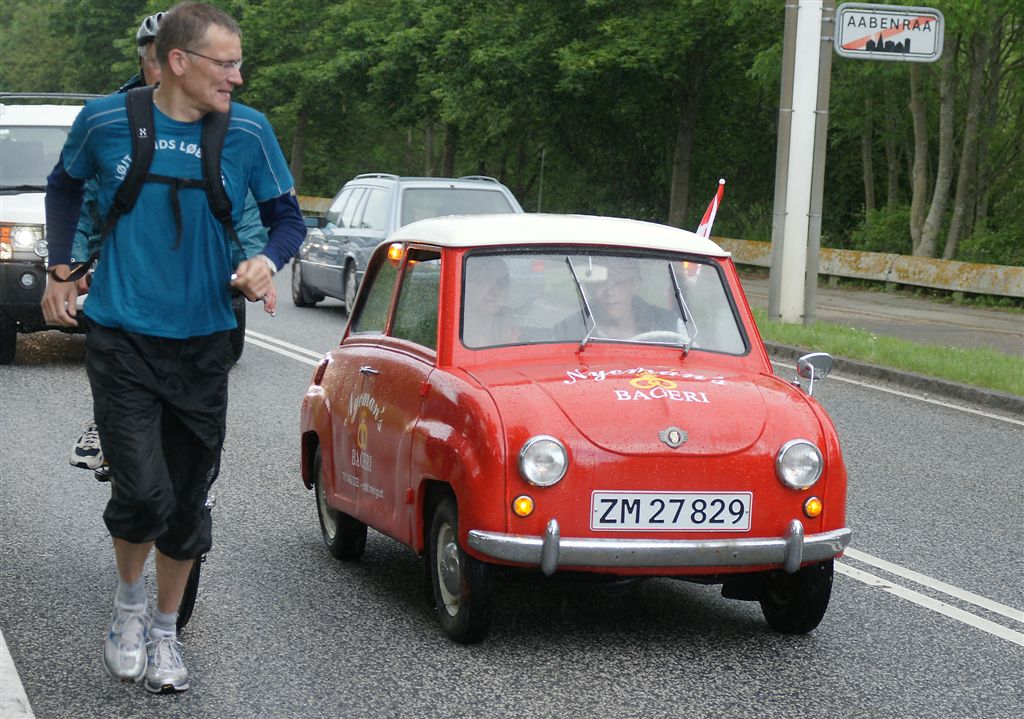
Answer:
(366, 369)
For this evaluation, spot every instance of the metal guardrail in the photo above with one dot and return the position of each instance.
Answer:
(952, 275)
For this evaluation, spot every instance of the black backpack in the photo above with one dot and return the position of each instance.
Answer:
(139, 104)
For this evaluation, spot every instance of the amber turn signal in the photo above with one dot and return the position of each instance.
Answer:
(523, 505)
(813, 507)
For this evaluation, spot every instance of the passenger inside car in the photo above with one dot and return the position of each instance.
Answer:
(488, 320)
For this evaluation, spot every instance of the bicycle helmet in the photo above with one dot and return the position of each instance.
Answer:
(148, 28)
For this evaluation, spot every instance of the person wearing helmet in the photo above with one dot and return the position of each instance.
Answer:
(87, 452)
(149, 68)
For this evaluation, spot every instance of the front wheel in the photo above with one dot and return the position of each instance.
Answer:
(8, 339)
(796, 603)
(301, 295)
(461, 583)
(344, 536)
(188, 598)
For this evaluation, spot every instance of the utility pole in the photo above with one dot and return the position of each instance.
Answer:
(800, 160)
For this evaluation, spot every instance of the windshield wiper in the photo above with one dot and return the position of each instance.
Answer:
(23, 188)
(684, 311)
(584, 304)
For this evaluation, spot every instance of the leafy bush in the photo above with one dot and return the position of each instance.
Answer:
(886, 229)
(997, 247)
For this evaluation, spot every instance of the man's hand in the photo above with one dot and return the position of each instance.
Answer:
(59, 299)
(252, 278)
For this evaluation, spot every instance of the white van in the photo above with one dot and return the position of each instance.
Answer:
(31, 138)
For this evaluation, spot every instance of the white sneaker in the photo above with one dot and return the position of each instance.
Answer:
(165, 668)
(124, 651)
(87, 452)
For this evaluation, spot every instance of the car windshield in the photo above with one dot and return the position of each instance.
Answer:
(534, 297)
(420, 203)
(28, 154)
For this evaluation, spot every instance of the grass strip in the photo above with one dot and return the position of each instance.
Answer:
(976, 367)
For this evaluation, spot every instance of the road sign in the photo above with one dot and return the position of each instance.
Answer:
(889, 32)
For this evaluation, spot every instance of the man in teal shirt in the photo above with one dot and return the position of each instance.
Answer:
(159, 313)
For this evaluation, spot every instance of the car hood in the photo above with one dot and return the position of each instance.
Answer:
(630, 409)
(25, 208)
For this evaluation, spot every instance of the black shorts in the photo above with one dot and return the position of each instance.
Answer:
(160, 407)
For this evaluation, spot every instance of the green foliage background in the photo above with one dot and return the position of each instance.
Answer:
(572, 103)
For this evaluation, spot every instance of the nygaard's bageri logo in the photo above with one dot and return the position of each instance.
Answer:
(650, 386)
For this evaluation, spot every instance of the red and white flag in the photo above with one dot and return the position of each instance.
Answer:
(704, 229)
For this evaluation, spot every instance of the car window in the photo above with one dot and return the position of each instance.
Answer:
(28, 154)
(530, 297)
(416, 313)
(375, 215)
(372, 314)
(419, 203)
(333, 214)
(348, 213)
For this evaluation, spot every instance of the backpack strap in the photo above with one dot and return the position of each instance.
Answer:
(139, 104)
(215, 129)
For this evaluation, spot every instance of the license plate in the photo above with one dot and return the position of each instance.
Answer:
(671, 511)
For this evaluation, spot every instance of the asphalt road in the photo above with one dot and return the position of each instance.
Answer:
(283, 630)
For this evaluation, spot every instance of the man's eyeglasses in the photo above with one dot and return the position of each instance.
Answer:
(224, 65)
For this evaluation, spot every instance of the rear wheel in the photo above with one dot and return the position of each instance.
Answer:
(301, 294)
(796, 603)
(351, 285)
(344, 536)
(238, 334)
(8, 339)
(461, 584)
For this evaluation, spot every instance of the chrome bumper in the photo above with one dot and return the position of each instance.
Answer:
(552, 550)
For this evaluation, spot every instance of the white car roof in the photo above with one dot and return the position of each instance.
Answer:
(542, 229)
(38, 115)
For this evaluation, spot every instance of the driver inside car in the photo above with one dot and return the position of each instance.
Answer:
(619, 309)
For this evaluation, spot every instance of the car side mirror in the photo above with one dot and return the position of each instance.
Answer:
(813, 367)
(317, 222)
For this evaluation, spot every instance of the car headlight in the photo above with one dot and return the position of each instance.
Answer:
(22, 238)
(798, 464)
(543, 460)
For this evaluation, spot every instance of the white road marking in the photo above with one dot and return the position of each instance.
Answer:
(935, 605)
(255, 338)
(13, 700)
(292, 351)
(939, 586)
(911, 395)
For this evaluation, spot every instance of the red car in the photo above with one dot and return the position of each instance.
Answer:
(572, 394)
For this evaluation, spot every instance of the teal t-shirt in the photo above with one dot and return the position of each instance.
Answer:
(144, 283)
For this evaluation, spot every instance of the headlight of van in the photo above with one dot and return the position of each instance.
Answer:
(543, 460)
(798, 464)
(22, 239)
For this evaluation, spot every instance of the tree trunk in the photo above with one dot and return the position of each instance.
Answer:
(919, 174)
(985, 169)
(448, 161)
(298, 150)
(428, 150)
(682, 153)
(944, 171)
(688, 107)
(866, 151)
(892, 176)
(966, 185)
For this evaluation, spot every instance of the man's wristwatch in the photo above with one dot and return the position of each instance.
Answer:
(270, 264)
